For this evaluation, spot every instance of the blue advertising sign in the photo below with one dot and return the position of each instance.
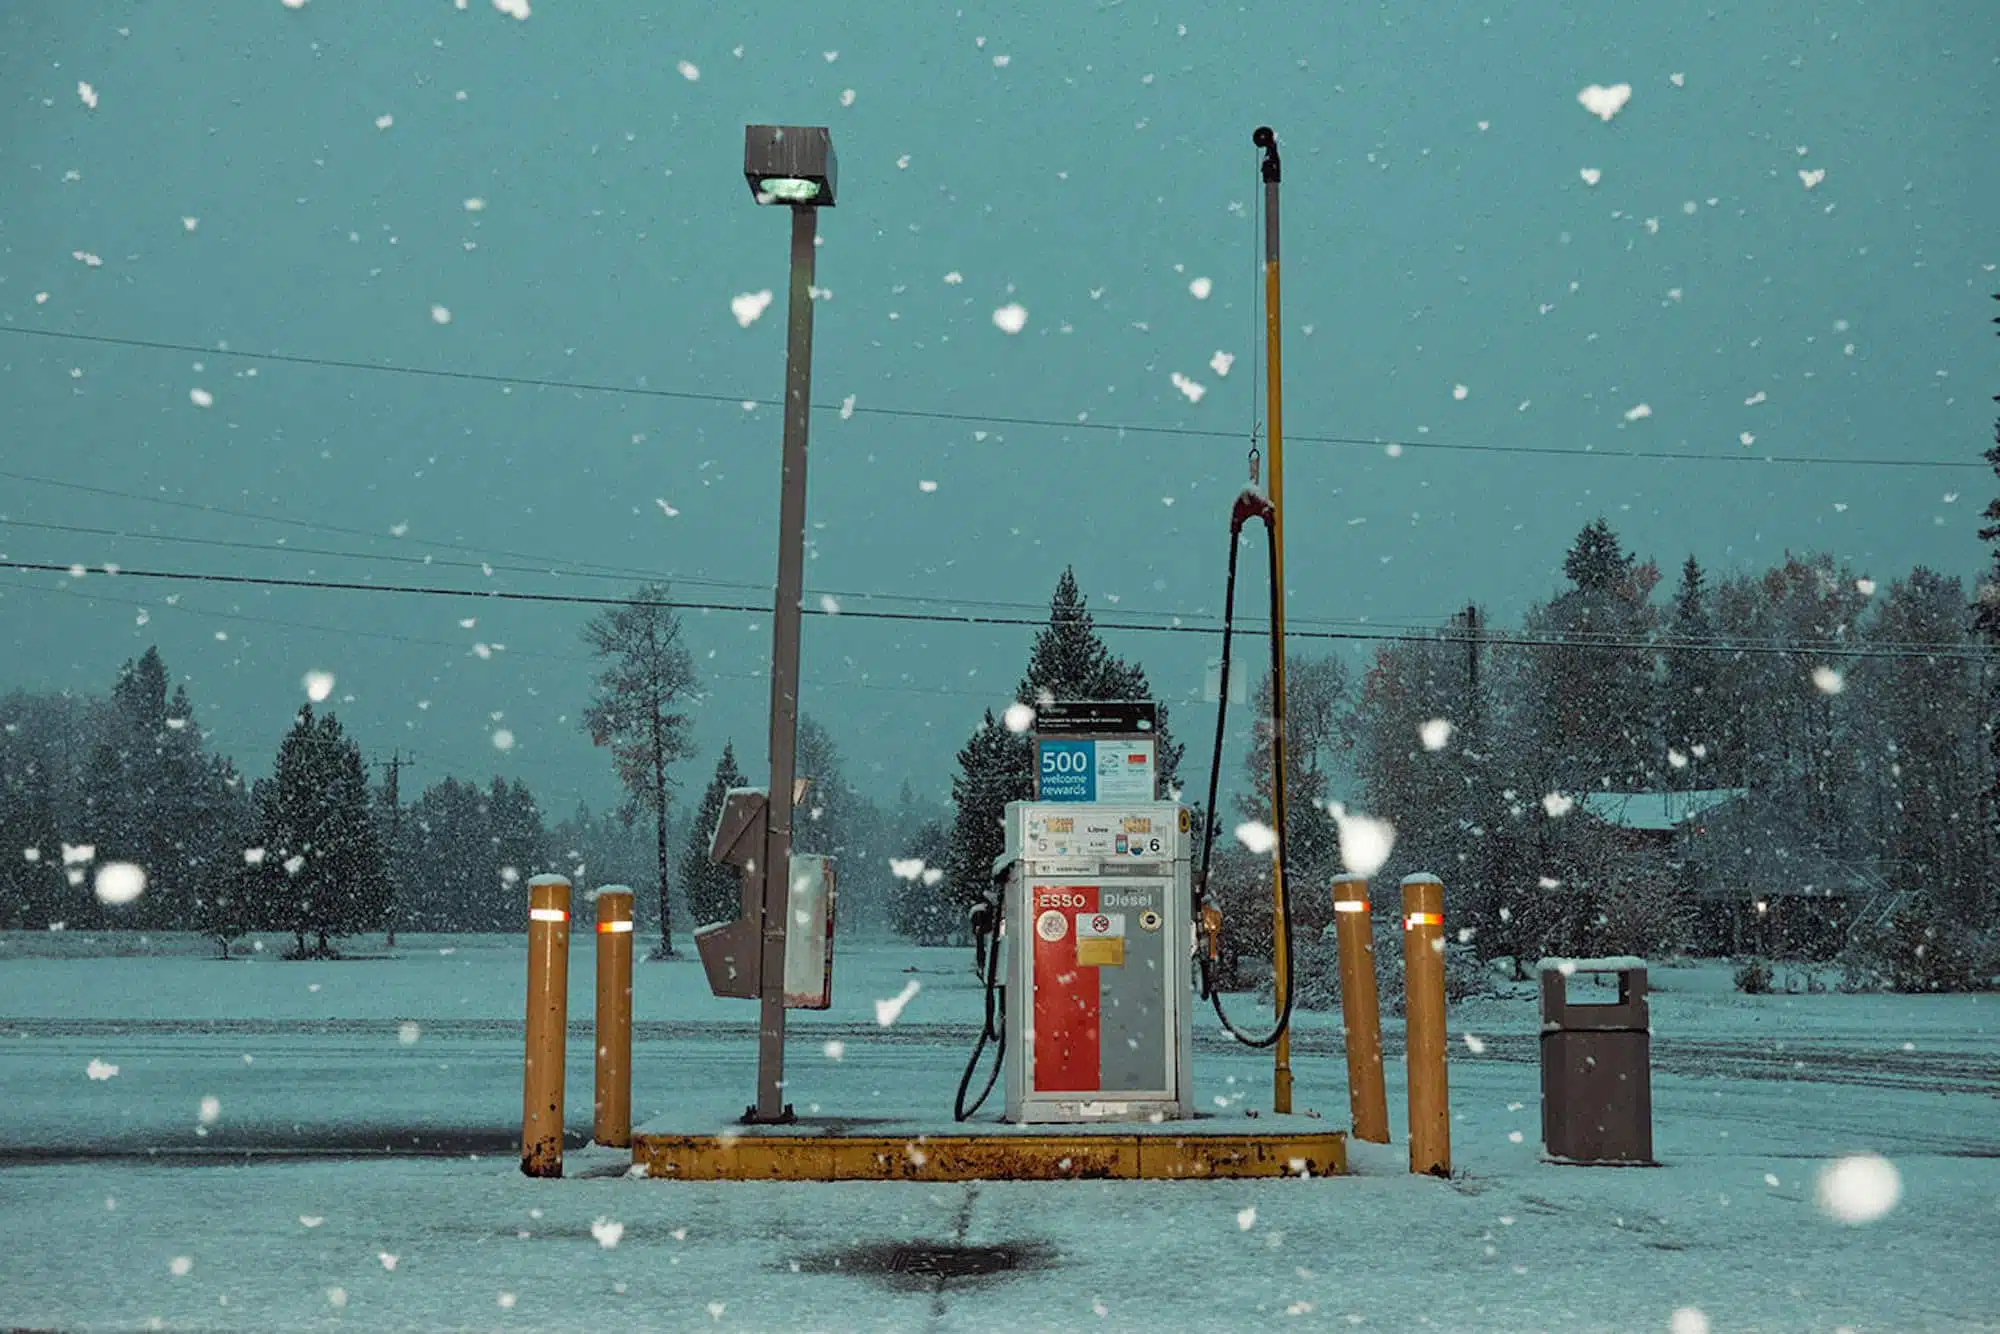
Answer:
(1068, 770)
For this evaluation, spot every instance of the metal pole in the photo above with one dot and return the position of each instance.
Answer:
(611, 1121)
(776, 870)
(1281, 1090)
(1360, 1009)
(547, 1028)
(1423, 1018)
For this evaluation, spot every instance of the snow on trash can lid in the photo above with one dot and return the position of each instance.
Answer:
(1614, 963)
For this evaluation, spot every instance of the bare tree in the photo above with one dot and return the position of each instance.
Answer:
(647, 672)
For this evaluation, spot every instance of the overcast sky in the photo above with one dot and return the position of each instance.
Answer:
(1780, 245)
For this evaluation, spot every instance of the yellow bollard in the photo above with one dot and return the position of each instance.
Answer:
(1360, 1009)
(612, 1124)
(548, 1021)
(1423, 1010)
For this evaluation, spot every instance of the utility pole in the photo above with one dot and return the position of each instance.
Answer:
(1472, 713)
(389, 861)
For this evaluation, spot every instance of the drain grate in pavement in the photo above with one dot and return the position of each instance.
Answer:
(952, 1261)
(922, 1263)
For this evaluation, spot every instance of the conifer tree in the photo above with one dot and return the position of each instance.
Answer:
(1688, 693)
(319, 832)
(1067, 662)
(918, 911)
(1986, 620)
(714, 890)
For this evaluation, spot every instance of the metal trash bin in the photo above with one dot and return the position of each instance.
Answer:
(1597, 1069)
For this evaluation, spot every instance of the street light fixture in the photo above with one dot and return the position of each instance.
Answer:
(791, 165)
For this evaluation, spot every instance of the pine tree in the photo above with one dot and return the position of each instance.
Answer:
(646, 676)
(714, 889)
(1594, 678)
(318, 828)
(919, 910)
(31, 874)
(1986, 621)
(994, 768)
(520, 852)
(1067, 662)
(451, 860)
(829, 802)
(1929, 709)
(1688, 692)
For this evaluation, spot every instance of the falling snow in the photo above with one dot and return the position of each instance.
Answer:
(1604, 103)
(750, 307)
(1858, 1189)
(887, 1012)
(119, 882)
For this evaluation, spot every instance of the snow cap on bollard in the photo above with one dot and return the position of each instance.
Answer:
(548, 899)
(614, 909)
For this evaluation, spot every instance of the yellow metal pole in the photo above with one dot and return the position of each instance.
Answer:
(612, 1118)
(548, 1022)
(1423, 1010)
(1281, 1087)
(1360, 1009)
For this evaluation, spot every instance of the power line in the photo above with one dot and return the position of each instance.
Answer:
(1080, 422)
(487, 567)
(555, 566)
(419, 641)
(1960, 653)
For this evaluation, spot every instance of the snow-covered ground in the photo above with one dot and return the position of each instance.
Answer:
(356, 1171)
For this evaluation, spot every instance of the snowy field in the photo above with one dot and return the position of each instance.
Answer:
(356, 1167)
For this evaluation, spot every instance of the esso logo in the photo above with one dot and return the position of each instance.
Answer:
(1057, 898)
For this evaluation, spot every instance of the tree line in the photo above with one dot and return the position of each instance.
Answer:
(334, 845)
(1832, 735)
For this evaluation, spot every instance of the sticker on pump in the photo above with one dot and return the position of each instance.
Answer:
(1100, 940)
(1052, 925)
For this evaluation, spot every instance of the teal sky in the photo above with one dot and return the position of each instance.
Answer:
(1087, 161)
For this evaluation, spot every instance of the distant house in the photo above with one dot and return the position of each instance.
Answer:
(1654, 819)
(1795, 906)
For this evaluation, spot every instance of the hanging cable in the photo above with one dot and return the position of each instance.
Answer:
(986, 931)
(1252, 503)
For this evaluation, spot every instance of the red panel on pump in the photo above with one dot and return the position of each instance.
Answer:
(1066, 994)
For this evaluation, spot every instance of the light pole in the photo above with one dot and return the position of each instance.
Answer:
(791, 165)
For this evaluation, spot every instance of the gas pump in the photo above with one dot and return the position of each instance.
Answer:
(1094, 945)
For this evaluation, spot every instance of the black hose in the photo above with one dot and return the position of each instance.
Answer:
(994, 1030)
(1284, 924)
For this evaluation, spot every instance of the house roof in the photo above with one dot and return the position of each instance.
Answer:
(1656, 811)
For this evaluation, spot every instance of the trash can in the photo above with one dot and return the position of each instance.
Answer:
(1597, 1069)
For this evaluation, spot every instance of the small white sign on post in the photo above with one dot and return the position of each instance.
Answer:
(1211, 687)
(809, 934)
(1125, 769)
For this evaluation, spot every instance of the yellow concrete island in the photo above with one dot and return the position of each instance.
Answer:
(883, 1150)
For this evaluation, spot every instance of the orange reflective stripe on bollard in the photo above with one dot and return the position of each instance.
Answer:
(611, 1122)
(548, 1023)
(1423, 1009)
(1360, 1009)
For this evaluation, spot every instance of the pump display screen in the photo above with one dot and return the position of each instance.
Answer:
(1100, 1003)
